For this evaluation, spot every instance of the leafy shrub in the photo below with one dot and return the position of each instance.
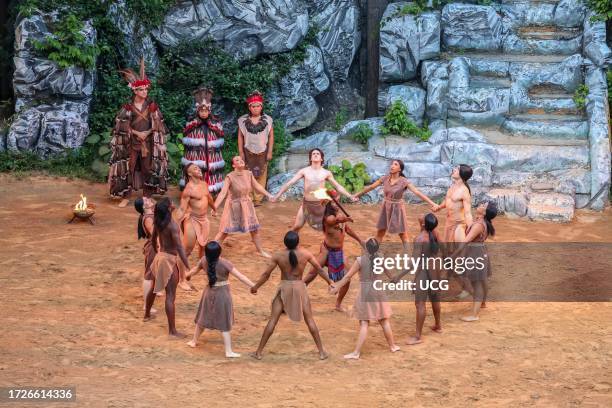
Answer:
(361, 133)
(580, 96)
(340, 119)
(603, 9)
(352, 178)
(397, 123)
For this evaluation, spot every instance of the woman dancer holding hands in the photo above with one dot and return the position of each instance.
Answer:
(239, 212)
(216, 311)
(392, 217)
(370, 304)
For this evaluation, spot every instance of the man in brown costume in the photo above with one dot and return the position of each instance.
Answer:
(138, 145)
(256, 141)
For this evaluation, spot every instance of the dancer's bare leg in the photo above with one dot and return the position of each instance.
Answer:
(363, 333)
(420, 320)
(380, 235)
(189, 242)
(170, 298)
(341, 294)
(405, 240)
(300, 220)
(322, 260)
(478, 298)
(227, 343)
(256, 238)
(196, 335)
(149, 302)
(147, 286)
(386, 326)
(437, 309)
(220, 237)
(314, 331)
(277, 309)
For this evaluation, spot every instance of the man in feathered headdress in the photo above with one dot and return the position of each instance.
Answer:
(203, 139)
(138, 145)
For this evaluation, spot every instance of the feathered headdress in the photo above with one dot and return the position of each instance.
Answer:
(136, 81)
(203, 97)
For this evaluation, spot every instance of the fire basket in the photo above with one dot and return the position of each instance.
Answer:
(83, 211)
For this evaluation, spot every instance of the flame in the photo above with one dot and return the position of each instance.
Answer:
(321, 194)
(81, 205)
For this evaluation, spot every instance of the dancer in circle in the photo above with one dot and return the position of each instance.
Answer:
(145, 207)
(203, 139)
(392, 218)
(216, 310)
(164, 268)
(239, 212)
(291, 296)
(193, 216)
(314, 176)
(473, 246)
(371, 304)
(138, 145)
(256, 141)
(426, 246)
(335, 228)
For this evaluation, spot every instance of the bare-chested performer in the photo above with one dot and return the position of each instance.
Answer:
(332, 249)
(458, 204)
(291, 296)
(164, 268)
(314, 177)
(145, 206)
(239, 214)
(192, 216)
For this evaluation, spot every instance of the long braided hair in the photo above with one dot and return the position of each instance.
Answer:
(212, 251)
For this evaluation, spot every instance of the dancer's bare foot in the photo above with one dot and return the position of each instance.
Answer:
(339, 308)
(413, 341)
(177, 336)
(323, 355)
(470, 318)
(483, 305)
(184, 286)
(123, 203)
(149, 317)
(352, 356)
(153, 310)
(231, 354)
(437, 329)
(192, 343)
(192, 286)
(395, 348)
(265, 254)
(256, 356)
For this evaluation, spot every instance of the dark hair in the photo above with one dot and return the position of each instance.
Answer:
(372, 247)
(330, 209)
(401, 164)
(139, 206)
(490, 213)
(465, 172)
(212, 251)
(318, 150)
(162, 215)
(431, 222)
(292, 239)
(186, 172)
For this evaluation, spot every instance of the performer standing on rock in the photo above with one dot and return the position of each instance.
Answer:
(203, 139)
(216, 310)
(164, 268)
(239, 213)
(331, 254)
(392, 218)
(291, 296)
(138, 145)
(314, 176)
(193, 216)
(256, 141)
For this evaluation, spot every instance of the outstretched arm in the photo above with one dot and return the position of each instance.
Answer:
(354, 235)
(369, 188)
(313, 261)
(474, 232)
(264, 276)
(242, 278)
(347, 278)
(422, 196)
(223, 192)
(183, 206)
(194, 270)
(338, 186)
(291, 182)
(211, 200)
(257, 187)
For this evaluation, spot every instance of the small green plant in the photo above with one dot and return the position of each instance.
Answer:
(580, 96)
(340, 119)
(352, 178)
(398, 123)
(361, 133)
(609, 76)
(602, 8)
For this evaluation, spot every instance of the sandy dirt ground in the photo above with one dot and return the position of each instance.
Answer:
(72, 315)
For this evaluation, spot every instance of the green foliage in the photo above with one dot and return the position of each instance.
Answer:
(340, 119)
(72, 163)
(150, 13)
(352, 178)
(397, 123)
(603, 8)
(361, 133)
(580, 96)
(609, 76)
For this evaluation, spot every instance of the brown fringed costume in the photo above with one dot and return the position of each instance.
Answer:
(138, 146)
